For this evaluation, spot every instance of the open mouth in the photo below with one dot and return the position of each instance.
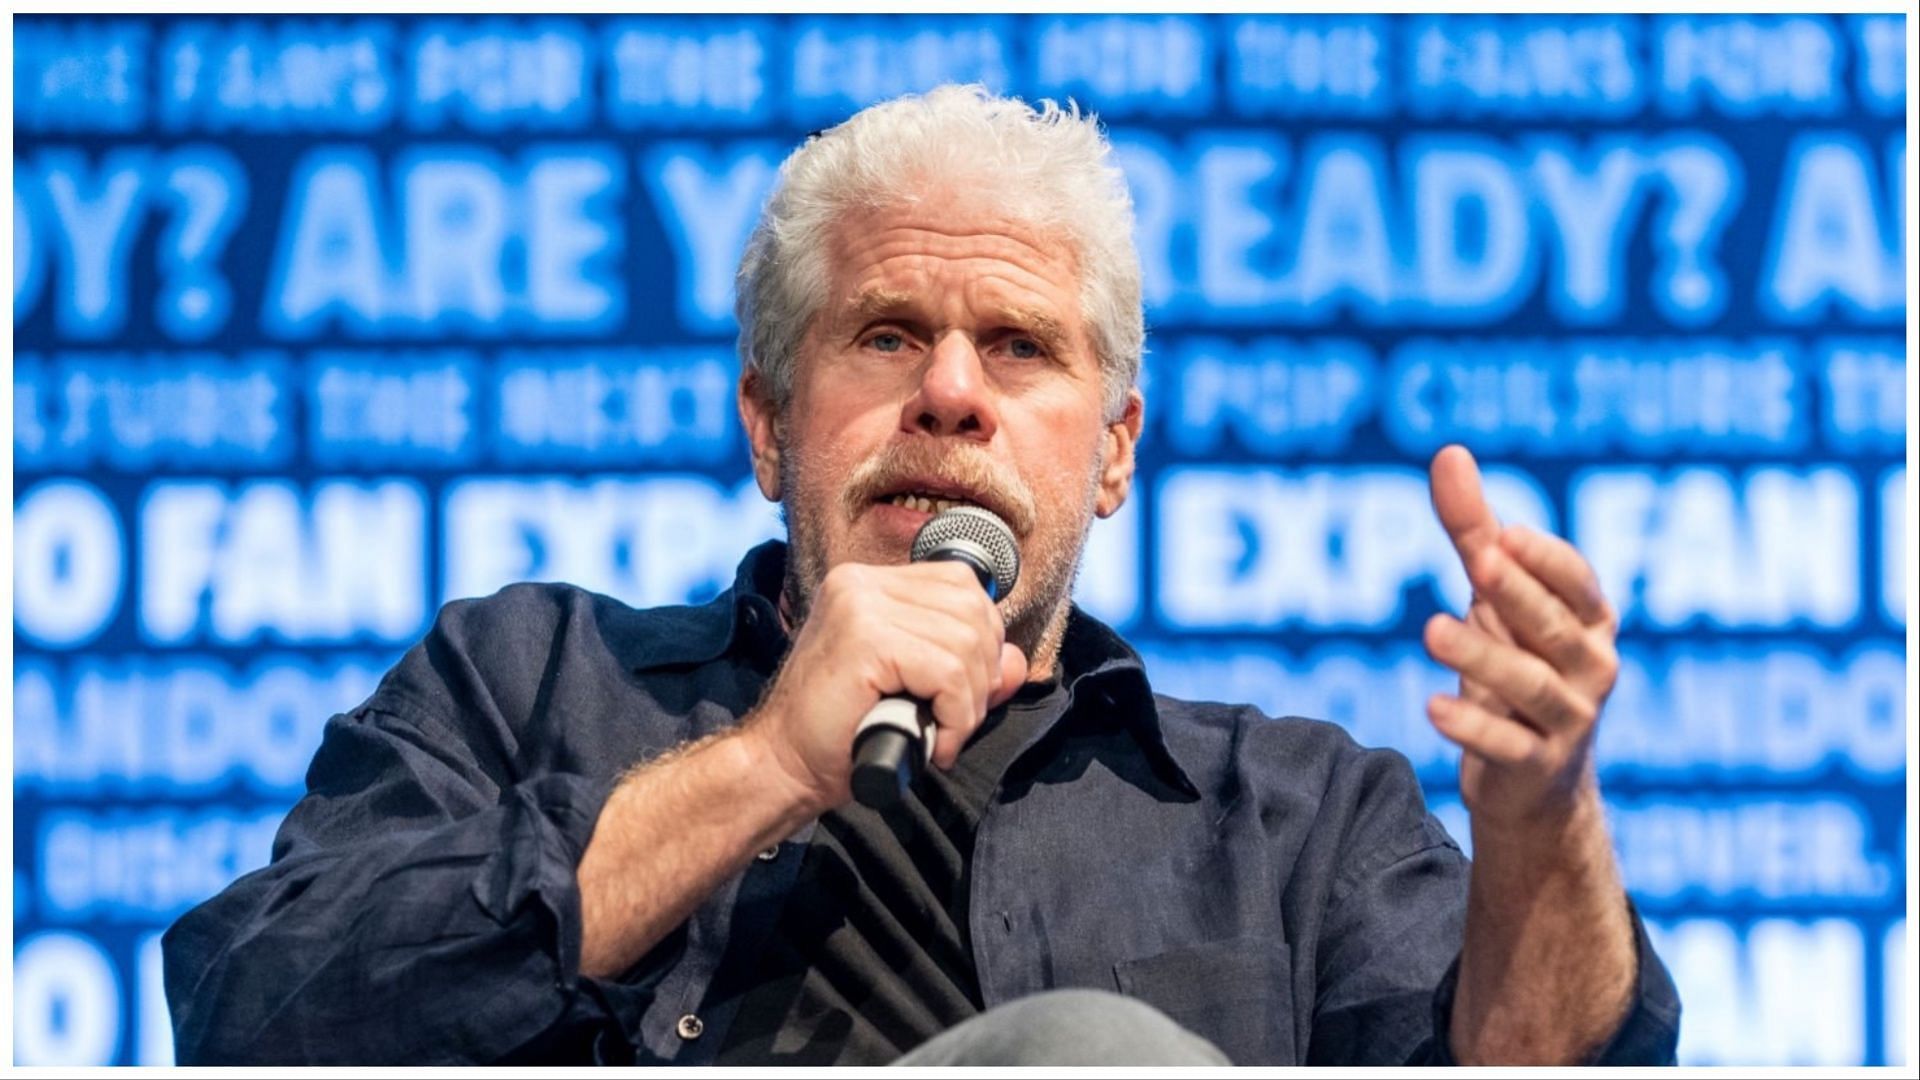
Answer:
(934, 492)
(925, 502)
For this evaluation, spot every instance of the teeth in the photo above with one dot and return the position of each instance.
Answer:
(926, 504)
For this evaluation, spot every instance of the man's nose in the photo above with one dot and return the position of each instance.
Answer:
(953, 397)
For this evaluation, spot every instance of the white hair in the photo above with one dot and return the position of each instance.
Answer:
(1050, 168)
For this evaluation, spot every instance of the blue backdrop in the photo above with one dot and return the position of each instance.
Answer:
(322, 322)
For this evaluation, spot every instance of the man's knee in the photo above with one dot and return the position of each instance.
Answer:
(1077, 1010)
(1071, 1027)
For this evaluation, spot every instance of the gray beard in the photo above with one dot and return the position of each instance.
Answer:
(1035, 627)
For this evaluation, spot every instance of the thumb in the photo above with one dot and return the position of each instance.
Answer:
(1458, 501)
(1013, 673)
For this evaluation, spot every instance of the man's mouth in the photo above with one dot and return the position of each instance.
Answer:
(933, 490)
(926, 503)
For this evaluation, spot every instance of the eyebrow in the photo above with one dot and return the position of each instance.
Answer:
(883, 303)
(875, 303)
(1036, 323)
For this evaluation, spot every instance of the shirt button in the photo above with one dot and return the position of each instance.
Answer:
(768, 855)
(690, 1027)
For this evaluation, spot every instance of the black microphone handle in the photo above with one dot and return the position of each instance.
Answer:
(888, 756)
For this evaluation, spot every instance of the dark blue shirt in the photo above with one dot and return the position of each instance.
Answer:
(1268, 883)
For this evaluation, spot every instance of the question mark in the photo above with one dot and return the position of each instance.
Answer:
(209, 194)
(1704, 184)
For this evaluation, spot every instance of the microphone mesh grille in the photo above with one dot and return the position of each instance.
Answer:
(981, 527)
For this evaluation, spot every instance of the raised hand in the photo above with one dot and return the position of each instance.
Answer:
(1535, 655)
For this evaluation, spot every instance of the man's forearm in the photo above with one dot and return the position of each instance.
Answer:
(1547, 972)
(669, 835)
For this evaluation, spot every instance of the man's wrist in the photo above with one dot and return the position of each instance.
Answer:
(755, 754)
(1571, 833)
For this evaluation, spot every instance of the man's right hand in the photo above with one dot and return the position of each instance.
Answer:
(659, 849)
(927, 630)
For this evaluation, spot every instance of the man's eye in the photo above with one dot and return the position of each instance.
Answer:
(887, 342)
(1024, 348)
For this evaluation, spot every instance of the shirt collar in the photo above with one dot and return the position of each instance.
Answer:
(1097, 667)
(680, 635)
(1100, 670)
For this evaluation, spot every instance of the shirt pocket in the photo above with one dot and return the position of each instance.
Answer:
(1237, 994)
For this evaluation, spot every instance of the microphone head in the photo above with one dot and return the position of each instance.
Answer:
(977, 533)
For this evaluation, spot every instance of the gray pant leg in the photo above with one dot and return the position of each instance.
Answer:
(1068, 1027)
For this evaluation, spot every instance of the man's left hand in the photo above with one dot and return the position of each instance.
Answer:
(1535, 655)
(1547, 965)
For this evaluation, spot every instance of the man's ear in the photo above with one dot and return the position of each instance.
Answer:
(1116, 470)
(761, 421)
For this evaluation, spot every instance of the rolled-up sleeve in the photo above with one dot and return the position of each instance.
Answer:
(422, 902)
(1389, 953)
(415, 910)
(1649, 1033)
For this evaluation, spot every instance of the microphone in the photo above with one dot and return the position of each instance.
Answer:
(891, 745)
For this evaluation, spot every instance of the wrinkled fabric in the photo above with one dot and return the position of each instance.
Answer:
(873, 953)
(1266, 883)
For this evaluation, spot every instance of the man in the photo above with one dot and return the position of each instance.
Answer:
(562, 829)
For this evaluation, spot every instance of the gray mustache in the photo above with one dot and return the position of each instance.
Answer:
(997, 487)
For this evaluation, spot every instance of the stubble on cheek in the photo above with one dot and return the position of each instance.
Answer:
(805, 514)
(1035, 614)
(1051, 561)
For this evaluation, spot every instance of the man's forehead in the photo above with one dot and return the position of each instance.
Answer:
(950, 221)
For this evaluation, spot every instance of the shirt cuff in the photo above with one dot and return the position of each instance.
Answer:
(537, 869)
(538, 858)
(1648, 1035)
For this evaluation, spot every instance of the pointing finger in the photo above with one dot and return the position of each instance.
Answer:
(1561, 567)
(1537, 618)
